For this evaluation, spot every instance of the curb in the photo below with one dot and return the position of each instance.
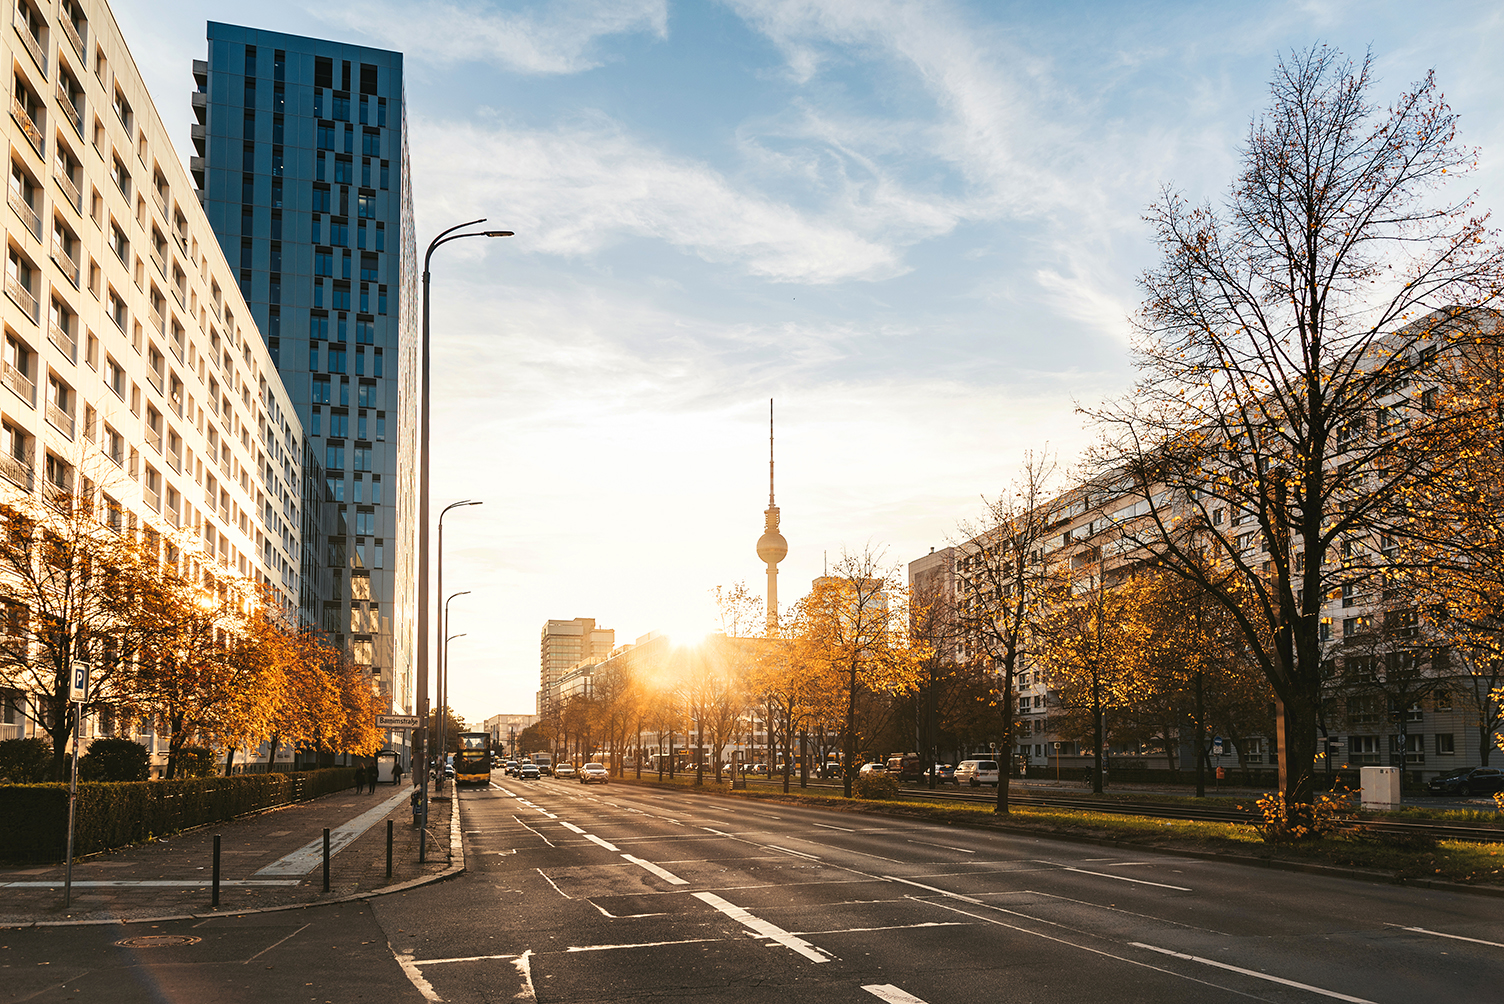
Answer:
(1306, 867)
(456, 867)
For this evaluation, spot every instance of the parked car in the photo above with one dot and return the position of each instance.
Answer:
(905, 767)
(945, 773)
(1466, 781)
(758, 768)
(564, 770)
(977, 773)
(528, 771)
(868, 769)
(594, 772)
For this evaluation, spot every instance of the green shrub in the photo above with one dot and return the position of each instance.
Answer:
(25, 761)
(34, 817)
(878, 787)
(113, 760)
(195, 761)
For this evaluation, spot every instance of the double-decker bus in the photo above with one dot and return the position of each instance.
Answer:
(472, 762)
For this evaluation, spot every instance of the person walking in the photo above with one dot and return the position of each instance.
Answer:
(397, 773)
(360, 779)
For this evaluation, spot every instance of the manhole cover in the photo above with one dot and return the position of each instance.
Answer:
(158, 941)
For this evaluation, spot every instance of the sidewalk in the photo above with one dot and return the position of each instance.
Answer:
(273, 859)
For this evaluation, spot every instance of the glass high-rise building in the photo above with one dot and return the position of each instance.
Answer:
(303, 172)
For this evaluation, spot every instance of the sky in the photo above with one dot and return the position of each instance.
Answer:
(917, 226)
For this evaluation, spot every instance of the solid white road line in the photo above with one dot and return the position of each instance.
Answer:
(1125, 878)
(1254, 973)
(888, 992)
(463, 958)
(797, 854)
(550, 881)
(415, 977)
(571, 827)
(763, 928)
(662, 873)
(306, 858)
(641, 944)
(150, 883)
(948, 847)
(608, 845)
(826, 826)
(1422, 930)
(525, 970)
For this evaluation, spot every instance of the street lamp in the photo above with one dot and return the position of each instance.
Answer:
(444, 656)
(443, 626)
(424, 423)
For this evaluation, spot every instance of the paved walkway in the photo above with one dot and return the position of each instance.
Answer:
(269, 860)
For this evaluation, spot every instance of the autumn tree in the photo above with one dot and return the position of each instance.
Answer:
(1005, 579)
(853, 633)
(1269, 423)
(75, 576)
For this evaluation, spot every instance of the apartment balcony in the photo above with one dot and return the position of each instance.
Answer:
(27, 214)
(31, 42)
(161, 201)
(224, 468)
(70, 110)
(17, 472)
(21, 385)
(8, 731)
(200, 136)
(60, 419)
(21, 296)
(23, 119)
(155, 379)
(65, 262)
(156, 259)
(154, 439)
(64, 182)
(66, 343)
(73, 37)
(201, 72)
(153, 498)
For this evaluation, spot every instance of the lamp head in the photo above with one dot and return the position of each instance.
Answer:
(499, 233)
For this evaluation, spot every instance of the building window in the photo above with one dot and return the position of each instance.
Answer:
(321, 390)
(334, 457)
(362, 458)
(1446, 745)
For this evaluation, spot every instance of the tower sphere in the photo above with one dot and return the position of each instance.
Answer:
(771, 547)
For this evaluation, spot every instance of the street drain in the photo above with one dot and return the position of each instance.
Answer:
(158, 941)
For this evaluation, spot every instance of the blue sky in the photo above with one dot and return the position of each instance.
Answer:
(916, 225)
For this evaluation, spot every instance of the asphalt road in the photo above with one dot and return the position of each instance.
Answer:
(608, 893)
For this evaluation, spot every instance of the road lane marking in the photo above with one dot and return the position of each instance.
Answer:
(925, 843)
(539, 835)
(571, 827)
(1118, 909)
(888, 992)
(797, 854)
(1422, 930)
(1125, 878)
(608, 845)
(826, 826)
(1254, 973)
(625, 916)
(525, 970)
(463, 958)
(662, 873)
(641, 944)
(414, 976)
(306, 858)
(1072, 944)
(274, 944)
(893, 927)
(762, 927)
(550, 881)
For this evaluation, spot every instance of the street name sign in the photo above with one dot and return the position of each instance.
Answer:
(396, 721)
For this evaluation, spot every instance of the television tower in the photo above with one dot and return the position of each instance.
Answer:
(771, 547)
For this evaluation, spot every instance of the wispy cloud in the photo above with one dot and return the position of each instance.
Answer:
(577, 189)
(556, 36)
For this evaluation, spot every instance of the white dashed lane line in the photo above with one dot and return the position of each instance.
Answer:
(891, 994)
(763, 928)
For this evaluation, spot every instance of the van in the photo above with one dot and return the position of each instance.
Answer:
(977, 773)
(905, 767)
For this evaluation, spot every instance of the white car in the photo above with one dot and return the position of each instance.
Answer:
(594, 773)
(977, 773)
(564, 770)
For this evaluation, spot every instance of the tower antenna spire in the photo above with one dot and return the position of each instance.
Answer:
(771, 547)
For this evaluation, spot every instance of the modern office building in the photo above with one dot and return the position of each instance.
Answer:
(303, 171)
(136, 383)
(562, 646)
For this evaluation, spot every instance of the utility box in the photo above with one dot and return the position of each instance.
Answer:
(1381, 787)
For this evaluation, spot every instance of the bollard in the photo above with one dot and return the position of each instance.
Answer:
(326, 859)
(388, 849)
(215, 900)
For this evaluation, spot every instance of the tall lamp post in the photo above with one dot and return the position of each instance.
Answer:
(444, 655)
(423, 429)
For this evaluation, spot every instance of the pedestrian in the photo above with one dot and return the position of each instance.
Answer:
(397, 773)
(360, 779)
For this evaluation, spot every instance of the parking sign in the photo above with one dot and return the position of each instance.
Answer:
(78, 682)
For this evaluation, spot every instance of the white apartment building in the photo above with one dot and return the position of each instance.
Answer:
(131, 363)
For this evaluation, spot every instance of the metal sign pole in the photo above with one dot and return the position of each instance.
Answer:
(77, 674)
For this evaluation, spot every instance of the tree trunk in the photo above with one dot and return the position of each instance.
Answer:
(803, 758)
(1295, 731)
(1005, 765)
(230, 762)
(1200, 735)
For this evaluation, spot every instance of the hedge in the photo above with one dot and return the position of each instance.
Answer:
(34, 817)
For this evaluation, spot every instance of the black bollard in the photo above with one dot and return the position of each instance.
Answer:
(326, 859)
(215, 900)
(388, 849)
